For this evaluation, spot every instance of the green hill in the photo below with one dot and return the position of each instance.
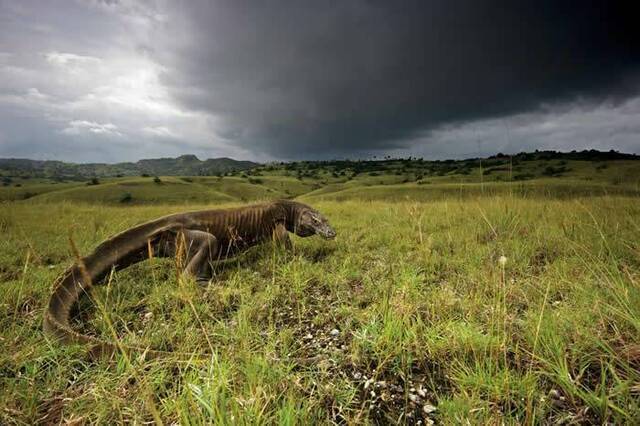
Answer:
(185, 165)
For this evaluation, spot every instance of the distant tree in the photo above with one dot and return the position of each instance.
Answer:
(157, 180)
(94, 181)
(144, 175)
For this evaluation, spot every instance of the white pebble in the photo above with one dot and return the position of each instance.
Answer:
(334, 332)
(428, 408)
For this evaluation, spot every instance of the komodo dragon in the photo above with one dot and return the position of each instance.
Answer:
(201, 237)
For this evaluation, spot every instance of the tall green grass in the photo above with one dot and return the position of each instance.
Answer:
(486, 309)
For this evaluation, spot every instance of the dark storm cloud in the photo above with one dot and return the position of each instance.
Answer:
(300, 79)
(114, 80)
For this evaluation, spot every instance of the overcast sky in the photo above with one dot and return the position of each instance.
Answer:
(262, 80)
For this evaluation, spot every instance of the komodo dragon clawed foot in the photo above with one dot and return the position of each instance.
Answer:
(195, 239)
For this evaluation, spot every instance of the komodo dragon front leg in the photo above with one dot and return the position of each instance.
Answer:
(201, 249)
(194, 250)
(281, 237)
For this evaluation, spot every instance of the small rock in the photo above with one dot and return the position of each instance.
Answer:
(334, 332)
(368, 383)
(554, 394)
(309, 336)
(428, 408)
(422, 393)
(381, 384)
(413, 398)
(357, 375)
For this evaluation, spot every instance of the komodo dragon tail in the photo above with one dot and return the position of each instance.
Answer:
(120, 251)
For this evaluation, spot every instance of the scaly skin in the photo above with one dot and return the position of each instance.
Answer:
(200, 237)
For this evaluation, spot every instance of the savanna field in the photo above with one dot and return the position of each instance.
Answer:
(451, 296)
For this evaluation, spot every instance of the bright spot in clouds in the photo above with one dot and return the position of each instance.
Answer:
(77, 127)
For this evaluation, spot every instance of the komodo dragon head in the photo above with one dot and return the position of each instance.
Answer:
(308, 222)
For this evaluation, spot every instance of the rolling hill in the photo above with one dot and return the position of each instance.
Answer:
(185, 165)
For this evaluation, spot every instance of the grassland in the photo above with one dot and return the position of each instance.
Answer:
(452, 301)
(338, 181)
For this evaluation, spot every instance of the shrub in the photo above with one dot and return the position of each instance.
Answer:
(523, 176)
(156, 179)
(554, 171)
(126, 197)
(93, 181)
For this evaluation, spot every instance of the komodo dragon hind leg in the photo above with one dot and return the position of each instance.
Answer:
(196, 251)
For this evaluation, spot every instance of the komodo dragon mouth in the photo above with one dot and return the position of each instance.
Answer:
(202, 237)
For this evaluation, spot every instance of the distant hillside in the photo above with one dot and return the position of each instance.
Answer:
(185, 165)
(541, 173)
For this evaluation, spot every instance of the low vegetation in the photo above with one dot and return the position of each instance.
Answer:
(531, 174)
(441, 301)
